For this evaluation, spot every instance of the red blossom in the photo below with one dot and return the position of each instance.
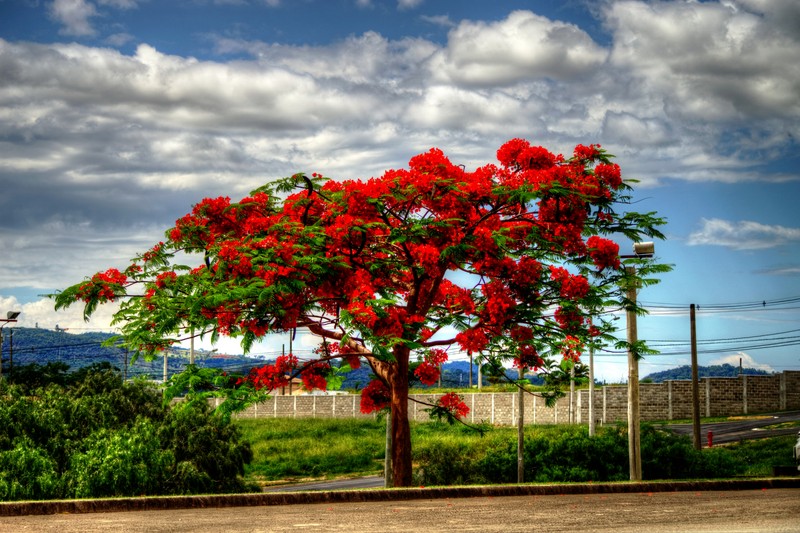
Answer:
(528, 357)
(165, 278)
(453, 403)
(573, 287)
(472, 340)
(427, 373)
(374, 397)
(313, 376)
(604, 252)
(609, 174)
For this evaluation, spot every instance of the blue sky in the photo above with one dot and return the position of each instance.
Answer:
(117, 115)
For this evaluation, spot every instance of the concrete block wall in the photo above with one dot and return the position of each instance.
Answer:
(671, 400)
(790, 389)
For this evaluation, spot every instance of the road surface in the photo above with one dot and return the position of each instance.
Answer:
(748, 427)
(768, 510)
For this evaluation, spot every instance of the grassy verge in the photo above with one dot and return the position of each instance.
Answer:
(303, 449)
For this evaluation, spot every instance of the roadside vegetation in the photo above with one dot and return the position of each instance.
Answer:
(289, 450)
(88, 434)
(91, 434)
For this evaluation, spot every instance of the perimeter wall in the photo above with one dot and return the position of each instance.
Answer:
(671, 400)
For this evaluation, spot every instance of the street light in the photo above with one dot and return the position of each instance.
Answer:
(11, 316)
(640, 250)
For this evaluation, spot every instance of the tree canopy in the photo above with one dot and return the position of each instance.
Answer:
(512, 261)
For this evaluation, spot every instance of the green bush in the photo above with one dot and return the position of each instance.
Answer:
(121, 462)
(27, 473)
(94, 435)
(569, 454)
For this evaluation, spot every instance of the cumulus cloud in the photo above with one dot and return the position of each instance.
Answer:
(747, 361)
(408, 4)
(524, 46)
(742, 235)
(708, 61)
(100, 151)
(74, 15)
(42, 314)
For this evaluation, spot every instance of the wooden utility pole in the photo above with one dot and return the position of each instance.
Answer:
(695, 381)
(591, 392)
(634, 440)
(387, 462)
(521, 429)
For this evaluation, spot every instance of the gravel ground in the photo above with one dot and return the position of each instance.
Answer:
(773, 510)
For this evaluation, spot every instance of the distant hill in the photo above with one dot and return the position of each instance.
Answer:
(713, 371)
(42, 346)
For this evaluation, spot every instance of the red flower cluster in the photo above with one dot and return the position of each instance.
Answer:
(313, 376)
(528, 357)
(569, 319)
(453, 403)
(102, 287)
(273, 376)
(573, 287)
(472, 340)
(375, 397)
(428, 371)
(604, 252)
(165, 278)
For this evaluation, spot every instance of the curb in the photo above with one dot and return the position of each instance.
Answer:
(106, 505)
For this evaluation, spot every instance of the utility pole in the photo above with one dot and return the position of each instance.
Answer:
(11, 354)
(572, 406)
(387, 461)
(634, 440)
(191, 348)
(591, 392)
(695, 381)
(521, 428)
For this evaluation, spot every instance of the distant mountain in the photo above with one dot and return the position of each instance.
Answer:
(42, 346)
(713, 371)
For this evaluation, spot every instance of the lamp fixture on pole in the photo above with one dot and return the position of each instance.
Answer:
(11, 316)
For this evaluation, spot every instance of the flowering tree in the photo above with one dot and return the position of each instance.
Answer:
(509, 259)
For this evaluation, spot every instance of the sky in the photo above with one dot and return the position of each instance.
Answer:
(116, 116)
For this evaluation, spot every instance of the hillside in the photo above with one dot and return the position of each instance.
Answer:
(715, 371)
(41, 346)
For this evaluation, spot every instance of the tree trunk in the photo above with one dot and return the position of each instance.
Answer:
(401, 430)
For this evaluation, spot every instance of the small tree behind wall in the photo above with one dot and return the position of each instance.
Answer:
(509, 260)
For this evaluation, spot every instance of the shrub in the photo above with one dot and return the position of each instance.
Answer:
(98, 436)
(569, 454)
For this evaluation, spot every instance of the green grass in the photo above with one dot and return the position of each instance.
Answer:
(294, 449)
(286, 449)
(760, 455)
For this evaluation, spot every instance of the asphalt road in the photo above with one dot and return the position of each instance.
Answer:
(772, 510)
(752, 427)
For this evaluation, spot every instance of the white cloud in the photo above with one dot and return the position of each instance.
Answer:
(707, 61)
(524, 46)
(93, 142)
(408, 4)
(742, 235)
(41, 313)
(747, 361)
(74, 15)
(439, 20)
